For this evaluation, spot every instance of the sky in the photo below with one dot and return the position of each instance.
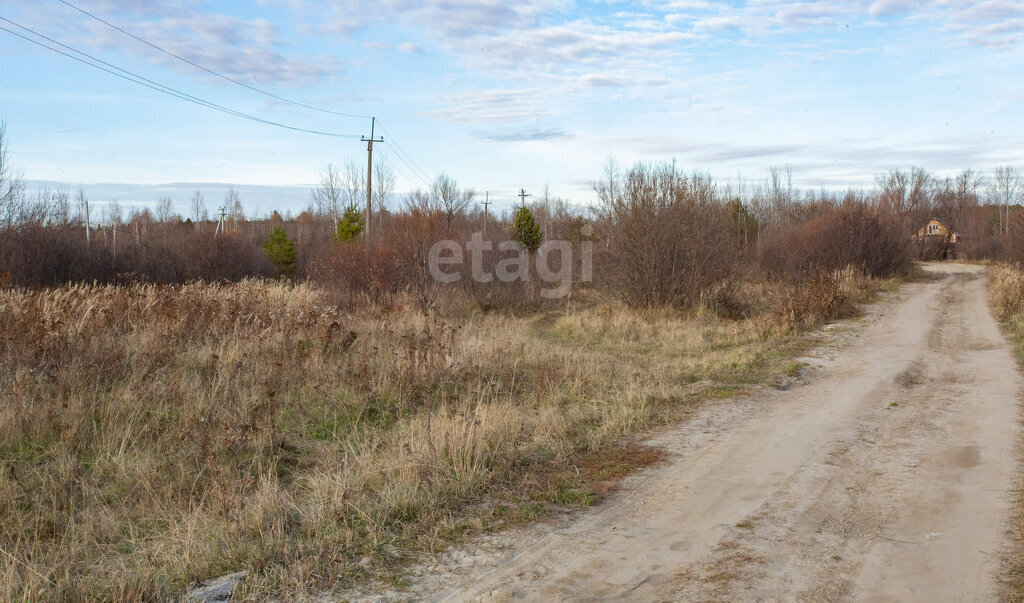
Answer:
(503, 96)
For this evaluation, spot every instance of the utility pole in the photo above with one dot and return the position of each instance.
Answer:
(487, 201)
(87, 235)
(220, 223)
(522, 196)
(369, 173)
(547, 210)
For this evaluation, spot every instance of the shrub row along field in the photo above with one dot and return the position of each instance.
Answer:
(1006, 295)
(152, 436)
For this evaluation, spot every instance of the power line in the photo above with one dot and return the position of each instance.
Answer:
(400, 171)
(417, 175)
(142, 81)
(401, 153)
(211, 71)
(404, 157)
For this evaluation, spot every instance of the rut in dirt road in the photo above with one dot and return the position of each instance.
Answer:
(888, 476)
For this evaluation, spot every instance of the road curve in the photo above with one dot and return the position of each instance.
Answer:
(887, 476)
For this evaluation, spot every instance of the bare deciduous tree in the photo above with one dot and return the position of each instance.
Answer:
(451, 200)
(328, 195)
(952, 198)
(164, 209)
(355, 186)
(1006, 189)
(12, 187)
(780, 195)
(62, 207)
(198, 206)
(421, 202)
(82, 204)
(233, 207)
(383, 185)
(114, 214)
(908, 196)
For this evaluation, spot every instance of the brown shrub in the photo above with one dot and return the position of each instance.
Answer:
(855, 235)
(360, 275)
(668, 238)
(34, 255)
(822, 297)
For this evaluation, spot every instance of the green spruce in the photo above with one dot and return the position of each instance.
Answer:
(349, 225)
(280, 250)
(526, 230)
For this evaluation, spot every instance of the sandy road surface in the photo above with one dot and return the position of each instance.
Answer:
(886, 476)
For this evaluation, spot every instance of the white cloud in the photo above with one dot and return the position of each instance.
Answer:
(496, 105)
(410, 47)
(520, 134)
(247, 49)
(886, 8)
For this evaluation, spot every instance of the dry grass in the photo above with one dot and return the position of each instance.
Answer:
(1006, 295)
(151, 437)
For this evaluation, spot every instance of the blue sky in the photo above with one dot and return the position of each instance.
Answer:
(502, 96)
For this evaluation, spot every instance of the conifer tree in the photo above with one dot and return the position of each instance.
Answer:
(280, 250)
(526, 230)
(349, 225)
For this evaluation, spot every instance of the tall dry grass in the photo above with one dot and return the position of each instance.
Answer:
(1006, 291)
(151, 437)
(1006, 296)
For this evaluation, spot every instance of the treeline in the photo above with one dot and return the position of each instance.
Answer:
(655, 236)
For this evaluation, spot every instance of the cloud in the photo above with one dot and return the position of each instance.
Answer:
(247, 49)
(997, 35)
(243, 49)
(442, 18)
(722, 22)
(994, 10)
(804, 14)
(521, 134)
(888, 8)
(410, 48)
(832, 55)
(563, 48)
(490, 106)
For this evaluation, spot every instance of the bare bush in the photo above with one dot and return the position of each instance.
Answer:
(854, 235)
(668, 236)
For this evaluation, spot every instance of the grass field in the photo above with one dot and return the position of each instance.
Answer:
(153, 437)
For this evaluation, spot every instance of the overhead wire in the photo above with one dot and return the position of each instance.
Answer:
(208, 70)
(148, 83)
(400, 171)
(403, 155)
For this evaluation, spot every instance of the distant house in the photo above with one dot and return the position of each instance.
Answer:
(935, 241)
(935, 228)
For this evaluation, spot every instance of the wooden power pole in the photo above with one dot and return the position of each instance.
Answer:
(220, 223)
(369, 174)
(522, 196)
(487, 201)
(88, 237)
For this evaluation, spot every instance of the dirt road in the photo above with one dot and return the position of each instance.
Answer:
(886, 476)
